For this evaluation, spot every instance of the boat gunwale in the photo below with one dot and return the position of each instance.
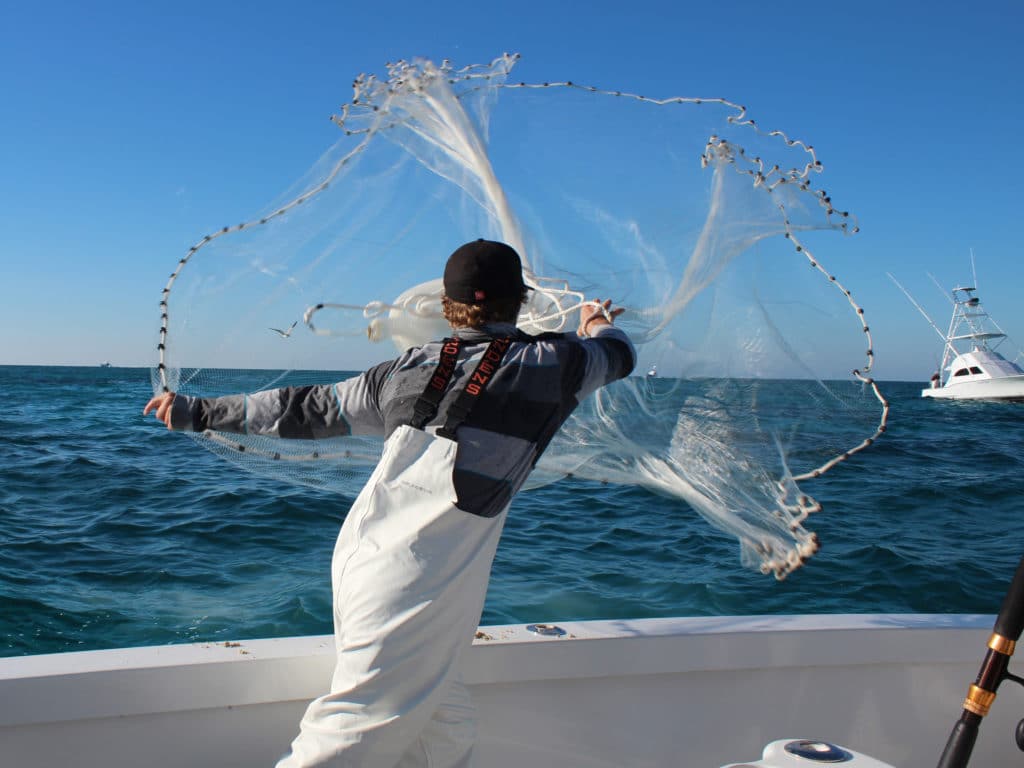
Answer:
(85, 685)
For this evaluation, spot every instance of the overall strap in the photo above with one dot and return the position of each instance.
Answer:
(468, 397)
(426, 406)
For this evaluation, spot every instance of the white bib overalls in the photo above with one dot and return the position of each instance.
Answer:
(409, 576)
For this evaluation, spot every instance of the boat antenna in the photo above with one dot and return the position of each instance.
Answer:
(918, 306)
(974, 272)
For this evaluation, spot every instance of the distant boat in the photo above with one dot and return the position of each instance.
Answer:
(971, 368)
(105, 364)
(652, 371)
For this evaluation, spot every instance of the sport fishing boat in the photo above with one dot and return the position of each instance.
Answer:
(971, 368)
(868, 691)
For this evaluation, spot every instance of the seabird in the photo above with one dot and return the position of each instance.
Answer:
(285, 334)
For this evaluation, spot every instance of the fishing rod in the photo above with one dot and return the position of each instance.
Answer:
(982, 692)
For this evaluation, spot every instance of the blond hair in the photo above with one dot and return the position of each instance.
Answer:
(461, 315)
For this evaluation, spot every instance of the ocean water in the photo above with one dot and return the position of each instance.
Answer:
(115, 532)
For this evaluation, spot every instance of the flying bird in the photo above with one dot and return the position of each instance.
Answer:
(285, 334)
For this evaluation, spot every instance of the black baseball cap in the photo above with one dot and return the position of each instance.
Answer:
(482, 270)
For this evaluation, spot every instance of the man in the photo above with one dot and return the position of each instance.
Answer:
(464, 421)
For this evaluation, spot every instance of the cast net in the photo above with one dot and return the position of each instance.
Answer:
(704, 226)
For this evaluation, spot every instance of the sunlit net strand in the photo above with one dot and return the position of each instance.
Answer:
(813, 165)
(861, 375)
(422, 305)
(220, 439)
(418, 78)
(719, 148)
(780, 564)
(397, 83)
(770, 179)
(371, 311)
(361, 85)
(371, 85)
(666, 474)
(166, 293)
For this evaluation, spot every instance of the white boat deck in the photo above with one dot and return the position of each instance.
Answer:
(664, 692)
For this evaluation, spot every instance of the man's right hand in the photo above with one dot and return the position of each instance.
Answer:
(595, 313)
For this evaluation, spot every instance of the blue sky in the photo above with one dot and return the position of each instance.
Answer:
(129, 130)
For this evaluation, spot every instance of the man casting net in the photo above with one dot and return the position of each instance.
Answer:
(707, 229)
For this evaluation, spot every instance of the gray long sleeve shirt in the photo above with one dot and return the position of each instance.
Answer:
(538, 385)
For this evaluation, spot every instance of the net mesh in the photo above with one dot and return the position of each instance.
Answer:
(682, 210)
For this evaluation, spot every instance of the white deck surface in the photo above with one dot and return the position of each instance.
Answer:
(665, 692)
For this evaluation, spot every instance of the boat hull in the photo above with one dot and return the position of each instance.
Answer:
(1008, 388)
(663, 692)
